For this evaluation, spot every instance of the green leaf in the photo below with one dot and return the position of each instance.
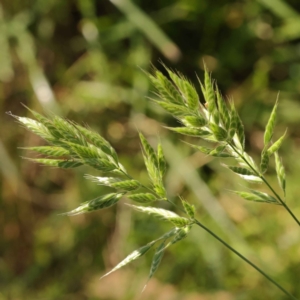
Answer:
(280, 172)
(270, 125)
(131, 257)
(95, 204)
(275, 147)
(142, 197)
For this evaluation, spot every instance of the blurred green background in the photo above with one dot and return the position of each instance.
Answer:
(84, 60)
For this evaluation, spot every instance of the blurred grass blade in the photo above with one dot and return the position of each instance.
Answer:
(142, 21)
(280, 8)
(6, 70)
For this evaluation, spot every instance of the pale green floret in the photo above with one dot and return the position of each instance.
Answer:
(95, 204)
(270, 125)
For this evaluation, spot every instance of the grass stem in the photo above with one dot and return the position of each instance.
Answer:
(245, 259)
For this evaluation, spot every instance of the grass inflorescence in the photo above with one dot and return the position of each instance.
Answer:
(215, 121)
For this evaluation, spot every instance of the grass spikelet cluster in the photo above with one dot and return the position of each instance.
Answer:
(220, 124)
(215, 121)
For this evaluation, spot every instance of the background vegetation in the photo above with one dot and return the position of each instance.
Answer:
(83, 59)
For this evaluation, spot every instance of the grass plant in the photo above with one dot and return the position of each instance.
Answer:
(215, 121)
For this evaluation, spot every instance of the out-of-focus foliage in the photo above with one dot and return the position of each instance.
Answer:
(84, 59)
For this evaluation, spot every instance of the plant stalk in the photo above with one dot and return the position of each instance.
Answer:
(266, 182)
(245, 259)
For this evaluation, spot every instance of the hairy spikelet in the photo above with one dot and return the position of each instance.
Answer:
(190, 131)
(142, 197)
(131, 257)
(209, 92)
(36, 127)
(58, 163)
(194, 121)
(162, 164)
(189, 209)
(49, 150)
(98, 141)
(166, 89)
(219, 133)
(265, 157)
(175, 109)
(116, 183)
(280, 172)
(68, 131)
(157, 257)
(183, 232)
(179, 81)
(95, 204)
(163, 214)
(224, 111)
(275, 147)
(239, 129)
(270, 125)
(149, 152)
(256, 196)
(191, 95)
(242, 171)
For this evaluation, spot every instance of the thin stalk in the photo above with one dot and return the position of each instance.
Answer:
(245, 259)
(267, 183)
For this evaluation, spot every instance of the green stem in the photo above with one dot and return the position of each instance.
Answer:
(245, 259)
(266, 182)
(280, 200)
